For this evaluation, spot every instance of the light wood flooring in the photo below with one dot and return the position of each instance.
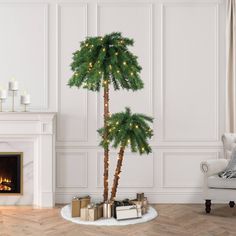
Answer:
(173, 219)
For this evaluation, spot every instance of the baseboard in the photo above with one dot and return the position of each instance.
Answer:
(160, 197)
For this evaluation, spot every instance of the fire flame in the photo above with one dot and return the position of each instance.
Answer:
(3, 184)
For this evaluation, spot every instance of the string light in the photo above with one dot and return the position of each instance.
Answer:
(86, 44)
(124, 63)
(142, 148)
(104, 82)
(106, 105)
(116, 53)
(132, 73)
(76, 74)
(128, 140)
(104, 49)
(100, 72)
(90, 64)
(117, 122)
(118, 71)
(110, 66)
(101, 38)
(136, 126)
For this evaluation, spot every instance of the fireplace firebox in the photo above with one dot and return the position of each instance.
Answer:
(11, 173)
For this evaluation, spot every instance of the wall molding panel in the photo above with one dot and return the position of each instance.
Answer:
(139, 176)
(177, 171)
(25, 13)
(63, 134)
(212, 6)
(71, 170)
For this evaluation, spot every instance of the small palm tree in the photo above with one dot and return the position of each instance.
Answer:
(127, 129)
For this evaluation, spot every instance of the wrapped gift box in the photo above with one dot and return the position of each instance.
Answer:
(128, 212)
(84, 214)
(92, 212)
(144, 204)
(100, 210)
(78, 203)
(84, 201)
(75, 207)
(116, 204)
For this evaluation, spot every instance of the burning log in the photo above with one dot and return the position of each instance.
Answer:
(4, 188)
(8, 184)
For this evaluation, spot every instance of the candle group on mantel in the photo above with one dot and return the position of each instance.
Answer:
(13, 87)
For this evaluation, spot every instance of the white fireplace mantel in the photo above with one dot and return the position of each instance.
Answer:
(39, 128)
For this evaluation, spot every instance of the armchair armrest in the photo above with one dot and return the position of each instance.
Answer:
(212, 167)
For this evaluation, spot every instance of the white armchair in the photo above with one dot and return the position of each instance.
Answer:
(216, 188)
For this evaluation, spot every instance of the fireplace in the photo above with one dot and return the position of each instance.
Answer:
(11, 173)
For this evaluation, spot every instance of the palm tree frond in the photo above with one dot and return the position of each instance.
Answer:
(127, 129)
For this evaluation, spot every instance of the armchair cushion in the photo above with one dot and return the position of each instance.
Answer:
(229, 142)
(215, 181)
(213, 167)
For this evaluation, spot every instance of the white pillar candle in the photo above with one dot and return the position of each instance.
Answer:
(25, 99)
(3, 93)
(13, 85)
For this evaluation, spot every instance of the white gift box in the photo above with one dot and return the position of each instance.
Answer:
(128, 212)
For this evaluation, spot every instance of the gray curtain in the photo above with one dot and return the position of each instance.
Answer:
(231, 66)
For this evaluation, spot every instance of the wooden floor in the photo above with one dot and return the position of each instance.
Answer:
(189, 220)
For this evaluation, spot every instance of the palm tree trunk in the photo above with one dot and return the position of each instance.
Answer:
(106, 149)
(117, 173)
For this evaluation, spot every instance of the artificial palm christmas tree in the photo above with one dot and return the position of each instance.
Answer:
(102, 61)
(127, 129)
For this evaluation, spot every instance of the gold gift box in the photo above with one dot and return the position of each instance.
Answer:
(84, 202)
(92, 212)
(144, 204)
(75, 207)
(77, 204)
(100, 210)
(84, 214)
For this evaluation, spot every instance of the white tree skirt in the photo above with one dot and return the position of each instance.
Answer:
(66, 214)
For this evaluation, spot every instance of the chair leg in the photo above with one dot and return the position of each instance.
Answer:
(208, 206)
(231, 204)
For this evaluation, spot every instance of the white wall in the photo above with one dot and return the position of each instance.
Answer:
(180, 44)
